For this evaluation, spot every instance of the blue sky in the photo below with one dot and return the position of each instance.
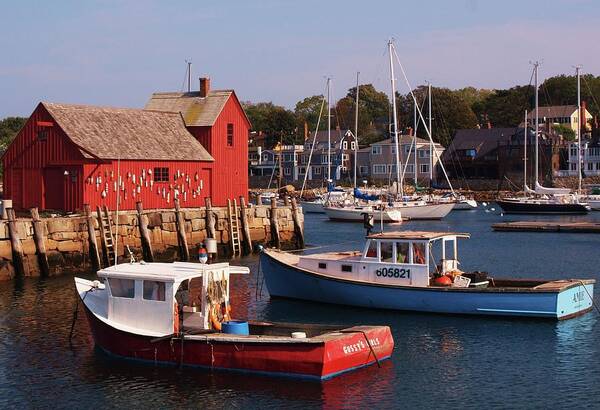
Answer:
(118, 52)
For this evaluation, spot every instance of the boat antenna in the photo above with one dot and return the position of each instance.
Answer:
(399, 180)
(356, 129)
(431, 147)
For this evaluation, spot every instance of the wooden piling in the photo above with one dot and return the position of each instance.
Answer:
(15, 243)
(275, 242)
(245, 227)
(93, 244)
(184, 252)
(210, 219)
(40, 244)
(147, 251)
(286, 200)
(298, 229)
(258, 199)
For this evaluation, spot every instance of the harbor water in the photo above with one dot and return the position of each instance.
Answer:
(439, 361)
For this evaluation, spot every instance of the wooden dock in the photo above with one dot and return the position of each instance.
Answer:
(542, 226)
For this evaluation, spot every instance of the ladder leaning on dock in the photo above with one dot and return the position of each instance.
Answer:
(234, 227)
(108, 243)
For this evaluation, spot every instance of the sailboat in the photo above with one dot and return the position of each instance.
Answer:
(355, 211)
(543, 200)
(412, 208)
(333, 195)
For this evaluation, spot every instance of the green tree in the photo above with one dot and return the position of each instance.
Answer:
(505, 108)
(566, 132)
(274, 121)
(307, 113)
(9, 127)
(373, 113)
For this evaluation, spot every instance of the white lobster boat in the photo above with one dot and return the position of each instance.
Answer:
(405, 271)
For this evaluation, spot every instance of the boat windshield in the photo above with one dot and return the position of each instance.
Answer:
(387, 252)
(402, 252)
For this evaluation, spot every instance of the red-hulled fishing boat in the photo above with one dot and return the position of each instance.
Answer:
(178, 313)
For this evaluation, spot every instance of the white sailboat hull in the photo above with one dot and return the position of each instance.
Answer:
(312, 207)
(355, 214)
(465, 204)
(424, 210)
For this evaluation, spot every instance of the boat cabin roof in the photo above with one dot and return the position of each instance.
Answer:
(417, 235)
(166, 272)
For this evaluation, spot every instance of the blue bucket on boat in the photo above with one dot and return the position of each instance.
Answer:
(235, 327)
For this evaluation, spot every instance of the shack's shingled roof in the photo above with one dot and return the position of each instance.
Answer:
(126, 133)
(197, 111)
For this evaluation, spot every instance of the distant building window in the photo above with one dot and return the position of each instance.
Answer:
(161, 174)
(391, 169)
(573, 167)
(590, 166)
(42, 135)
(423, 153)
(470, 153)
(597, 166)
(353, 145)
(230, 135)
(302, 170)
(122, 288)
(363, 169)
(379, 169)
(287, 171)
(410, 168)
(345, 145)
(318, 171)
(154, 290)
(424, 168)
(376, 149)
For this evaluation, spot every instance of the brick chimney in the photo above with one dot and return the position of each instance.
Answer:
(204, 86)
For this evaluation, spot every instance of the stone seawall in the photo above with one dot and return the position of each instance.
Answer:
(67, 245)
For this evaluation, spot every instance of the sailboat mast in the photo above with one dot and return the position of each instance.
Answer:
(399, 180)
(525, 154)
(578, 129)
(328, 131)
(356, 130)
(415, 143)
(535, 68)
(431, 140)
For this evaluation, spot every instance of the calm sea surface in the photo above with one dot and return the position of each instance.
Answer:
(439, 361)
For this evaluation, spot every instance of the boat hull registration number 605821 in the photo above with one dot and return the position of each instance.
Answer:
(391, 272)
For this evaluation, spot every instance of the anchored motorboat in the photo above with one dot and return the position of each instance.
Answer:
(418, 271)
(357, 213)
(179, 313)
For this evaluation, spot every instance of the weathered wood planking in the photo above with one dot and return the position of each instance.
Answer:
(541, 226)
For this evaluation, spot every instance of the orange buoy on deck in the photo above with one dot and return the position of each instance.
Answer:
(442, 281)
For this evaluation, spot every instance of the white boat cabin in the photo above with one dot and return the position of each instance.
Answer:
(148, 297)
(396, 258)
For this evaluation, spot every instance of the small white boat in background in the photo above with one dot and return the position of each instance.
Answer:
(465, 205)
(357, 214)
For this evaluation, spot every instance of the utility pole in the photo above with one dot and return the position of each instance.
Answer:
(525, 154)
(189, 73)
